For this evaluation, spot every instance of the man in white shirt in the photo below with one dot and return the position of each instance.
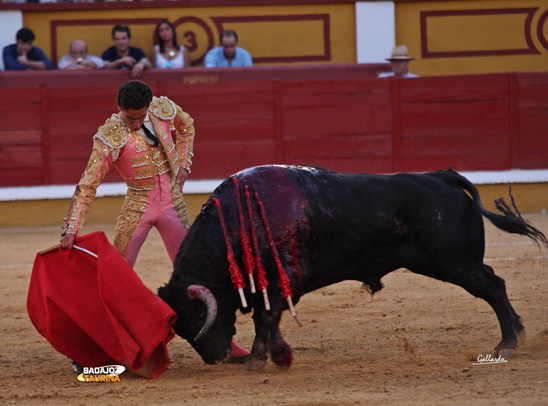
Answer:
(78, 58)
(399, 62)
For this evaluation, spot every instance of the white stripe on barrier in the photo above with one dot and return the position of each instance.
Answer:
(53, 192)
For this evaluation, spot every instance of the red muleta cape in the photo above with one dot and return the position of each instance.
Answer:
(97, 311)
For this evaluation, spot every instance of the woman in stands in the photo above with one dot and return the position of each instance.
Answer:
(167, 53)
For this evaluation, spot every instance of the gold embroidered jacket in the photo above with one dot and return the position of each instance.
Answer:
(137, 161)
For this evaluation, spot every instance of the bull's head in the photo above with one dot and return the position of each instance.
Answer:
(198, 321)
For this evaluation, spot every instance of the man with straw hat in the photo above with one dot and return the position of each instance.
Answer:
(399, 61)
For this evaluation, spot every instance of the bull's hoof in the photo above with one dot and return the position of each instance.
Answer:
(505, 352)
(253, 364)
(282, 356)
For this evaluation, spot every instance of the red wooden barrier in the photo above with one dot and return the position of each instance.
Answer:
(339, 124)
(532, 120)
(21, 160)
(234, 125)
(483, 122)
(455, 121)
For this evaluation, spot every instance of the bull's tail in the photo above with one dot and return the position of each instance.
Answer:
(510, 220)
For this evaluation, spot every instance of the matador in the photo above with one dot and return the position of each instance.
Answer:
(138, 141)
(150, 143)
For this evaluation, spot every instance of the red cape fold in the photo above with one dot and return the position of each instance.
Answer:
(97, 311)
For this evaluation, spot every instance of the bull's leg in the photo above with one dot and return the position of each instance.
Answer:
(280, 351)
(517, 322)
(481, 281)
(518, 325)
(268, 339)
(258, 356)
(519, 328)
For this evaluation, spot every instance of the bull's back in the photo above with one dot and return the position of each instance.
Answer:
(345, 222)
(378, 205)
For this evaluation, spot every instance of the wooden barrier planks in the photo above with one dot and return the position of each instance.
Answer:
(532, 106)
(478, 122)
(20, 137)
(344, 125)
(76, 112)
(453, 122)
(234, 125)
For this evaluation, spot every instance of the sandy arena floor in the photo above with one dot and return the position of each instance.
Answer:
(413, 343)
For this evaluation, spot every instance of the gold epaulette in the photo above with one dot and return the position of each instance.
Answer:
(163, 108)
(113, 133)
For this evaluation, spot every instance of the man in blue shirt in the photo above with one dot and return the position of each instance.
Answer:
(23, 55)
(122, 56)
(228, 54)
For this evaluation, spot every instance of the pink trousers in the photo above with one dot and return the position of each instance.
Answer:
(161, 214)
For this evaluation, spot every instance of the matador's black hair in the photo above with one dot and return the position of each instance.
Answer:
(134, 95)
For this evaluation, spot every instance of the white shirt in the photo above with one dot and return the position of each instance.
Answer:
(67, 60)
(150, 126)
(161, 62)
(408, 75)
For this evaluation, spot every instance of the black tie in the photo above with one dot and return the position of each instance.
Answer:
(150, 135)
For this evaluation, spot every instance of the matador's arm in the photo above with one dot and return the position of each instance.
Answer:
(98, 166)
(184, 141)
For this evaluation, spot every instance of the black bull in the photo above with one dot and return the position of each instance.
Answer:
(329, 227)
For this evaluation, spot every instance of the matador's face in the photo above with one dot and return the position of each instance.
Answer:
(134, 118)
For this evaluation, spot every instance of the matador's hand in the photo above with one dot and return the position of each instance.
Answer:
(181, 177)
(67, 241)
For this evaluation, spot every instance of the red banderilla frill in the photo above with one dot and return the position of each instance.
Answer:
(246, 248)
(235, 272)
(284, 281)
(262, 282)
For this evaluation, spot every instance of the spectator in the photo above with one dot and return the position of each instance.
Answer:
(79, 59)
(167, 53)
(228, 54)
(23, 55)
(399, 62)
(123, 56)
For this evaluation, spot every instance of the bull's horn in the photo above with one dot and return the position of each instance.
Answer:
(205, 295)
